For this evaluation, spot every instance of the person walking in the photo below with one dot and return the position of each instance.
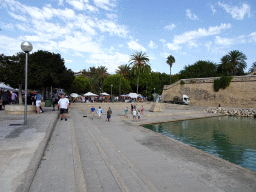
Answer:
(99, 112)
(109, 112)
(92, 112)
(131, 108)
(134, 115)
(54, 100)
(13, 98)
(63, 106)
(138, 114)
(38, 98)
(142, 109)
(125, 112)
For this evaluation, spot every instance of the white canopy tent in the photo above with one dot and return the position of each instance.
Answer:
(74, 95)
(133, 95)
(104, 94)
(90, 94)
(6, 87)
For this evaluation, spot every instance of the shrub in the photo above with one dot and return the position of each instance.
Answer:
(192, 81)
(182, 82)
(222, 83)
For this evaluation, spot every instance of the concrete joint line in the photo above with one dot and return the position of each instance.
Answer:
(79, 174)
(140, 175)
(114, 172)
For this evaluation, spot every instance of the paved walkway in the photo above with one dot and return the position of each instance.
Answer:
(92, 155)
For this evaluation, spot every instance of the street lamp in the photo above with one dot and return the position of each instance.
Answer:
(26, 47)
(154, 94)
(111, 92)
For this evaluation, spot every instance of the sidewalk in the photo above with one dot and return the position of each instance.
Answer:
(92, 155)
(22, 147)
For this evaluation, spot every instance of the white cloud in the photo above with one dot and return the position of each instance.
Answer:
(136, 46)
(10, 45)
(253, 36)
(77, 54)
(208, 45)
(18, 17)
(191, 15)
(213, 10)
(105, 4)
(201, 32)
(79, 42)
(154, 70)
(173, 47)
(152, 45)
(170, 27)
(111, 61)
(230, 41)
(111, 27)
(236, 12)
(223, 41)
(112, 16)
(68, 61)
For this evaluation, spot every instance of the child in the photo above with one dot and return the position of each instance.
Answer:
(142, 109)
(99, 112)
(125, 112)
(139, 115)
(134, 115)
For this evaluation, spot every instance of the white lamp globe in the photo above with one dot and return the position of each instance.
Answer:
(26, 46)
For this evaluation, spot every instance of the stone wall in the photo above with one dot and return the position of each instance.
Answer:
(240, 93)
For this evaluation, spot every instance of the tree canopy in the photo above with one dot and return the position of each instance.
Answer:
(140, 64)
(80, 85)
(45, 69)
(199, 69)
(113, 80)
(233, 63)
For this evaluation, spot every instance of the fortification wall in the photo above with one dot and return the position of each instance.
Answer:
(240, 93)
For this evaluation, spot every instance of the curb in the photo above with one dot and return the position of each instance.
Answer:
(30, 173)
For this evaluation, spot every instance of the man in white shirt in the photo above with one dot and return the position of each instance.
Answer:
(63, 106)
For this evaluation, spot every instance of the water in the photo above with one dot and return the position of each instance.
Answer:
(228, 137)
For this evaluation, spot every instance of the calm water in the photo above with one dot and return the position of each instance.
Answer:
(228, 137)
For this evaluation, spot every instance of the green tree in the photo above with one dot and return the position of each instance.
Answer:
(200, 69)
(170, 61)
(233, 63)
(112, 80)
(123, 71)
(81, 85)
(140, 64)
(253, 68)
(96, 77)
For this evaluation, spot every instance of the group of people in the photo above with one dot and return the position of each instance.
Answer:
(136, 113)
(7, 97)
(99, 112)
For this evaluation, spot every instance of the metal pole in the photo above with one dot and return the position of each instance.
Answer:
(111, 93)
(26, 89)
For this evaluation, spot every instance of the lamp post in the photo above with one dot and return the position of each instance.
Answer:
(26, 47)
(154, 94)
(111, 93)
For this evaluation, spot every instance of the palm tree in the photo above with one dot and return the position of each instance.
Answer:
(140, 64)
(234, 62)
(170, 61)
(253, 68)
(123, 71)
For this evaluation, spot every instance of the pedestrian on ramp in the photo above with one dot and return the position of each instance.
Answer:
(63, 106)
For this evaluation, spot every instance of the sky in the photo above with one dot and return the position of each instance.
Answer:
(89, 33)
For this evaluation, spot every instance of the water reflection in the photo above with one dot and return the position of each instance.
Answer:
(228, 137)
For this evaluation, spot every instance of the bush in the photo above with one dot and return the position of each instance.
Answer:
(222, 83)
(182, 82)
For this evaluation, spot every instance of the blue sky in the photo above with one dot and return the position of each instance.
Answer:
(107, 32)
